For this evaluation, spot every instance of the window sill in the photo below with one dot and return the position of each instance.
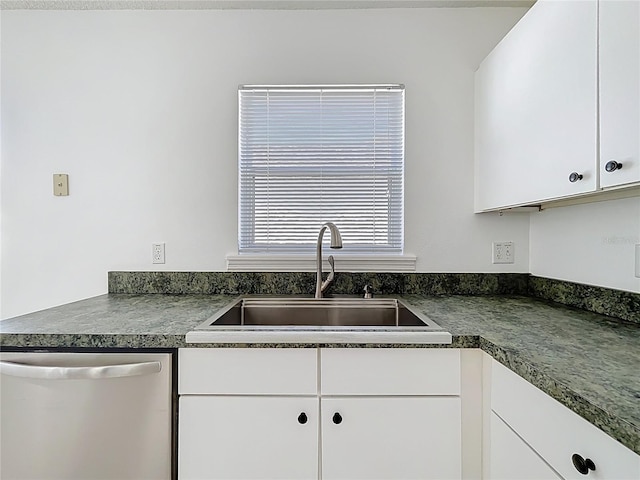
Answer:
(307, 263)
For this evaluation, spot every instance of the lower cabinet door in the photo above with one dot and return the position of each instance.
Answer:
(512, 458)
(557, 434)
(391, 438)
(229, 437)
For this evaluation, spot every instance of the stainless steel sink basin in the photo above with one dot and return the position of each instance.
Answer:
(325, 312)
(310, 320)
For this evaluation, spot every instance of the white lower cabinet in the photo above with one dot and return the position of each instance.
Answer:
(248, 437)
(512, 458)
(390, 413)
(390, 438)
(370, 414)
(564, 440)
(366, 413)
(247, 413)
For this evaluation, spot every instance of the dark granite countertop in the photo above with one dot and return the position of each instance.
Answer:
(587, 361)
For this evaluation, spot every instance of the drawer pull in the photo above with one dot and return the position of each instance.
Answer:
(574, 177)
(582, 465)
(337, 418)
(612, 166)
(302, 418)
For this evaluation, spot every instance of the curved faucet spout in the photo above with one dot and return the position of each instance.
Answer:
(336, 242)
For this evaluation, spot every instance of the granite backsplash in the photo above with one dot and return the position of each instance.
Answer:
(614, 303)
(605, 301)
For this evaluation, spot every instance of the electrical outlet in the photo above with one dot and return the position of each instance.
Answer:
(503, 252)
(157, 252)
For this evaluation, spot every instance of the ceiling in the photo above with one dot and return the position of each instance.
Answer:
(250, 4)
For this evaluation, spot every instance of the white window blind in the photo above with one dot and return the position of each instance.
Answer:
(309, 155)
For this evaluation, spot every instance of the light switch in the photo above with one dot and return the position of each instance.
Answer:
(638, 260)
(60, 184)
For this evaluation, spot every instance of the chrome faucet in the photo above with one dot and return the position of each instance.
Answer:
(336, 242)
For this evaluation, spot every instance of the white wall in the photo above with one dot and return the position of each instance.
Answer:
(592, 243)
(139, 108)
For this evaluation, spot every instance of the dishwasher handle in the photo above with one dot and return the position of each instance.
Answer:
(79, 373)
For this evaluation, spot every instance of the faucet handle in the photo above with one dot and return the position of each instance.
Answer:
(331, 275)
(368, 293)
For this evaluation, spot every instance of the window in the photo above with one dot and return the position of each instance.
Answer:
(312, 154)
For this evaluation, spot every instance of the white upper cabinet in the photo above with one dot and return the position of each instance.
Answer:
(619, 92)
(536, 108)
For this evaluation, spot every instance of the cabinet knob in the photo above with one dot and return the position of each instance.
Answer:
(337, 418)
(583, 465)
(302, 418)
(574, 177)
(612, 166)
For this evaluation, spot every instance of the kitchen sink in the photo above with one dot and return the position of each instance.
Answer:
(310, 320)
(324, 312)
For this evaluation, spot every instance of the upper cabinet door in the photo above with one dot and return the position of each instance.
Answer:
(536, 108)
(619, 92)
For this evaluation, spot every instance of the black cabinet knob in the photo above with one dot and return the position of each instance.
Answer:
(302, 418)
(574, 177)
(583, 465)
(337, 418)
(612, 166)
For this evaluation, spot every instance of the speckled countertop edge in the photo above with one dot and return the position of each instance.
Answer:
(624, 432)
(467, 334)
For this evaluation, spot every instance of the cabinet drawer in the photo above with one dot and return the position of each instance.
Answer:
(290, 371)
(555, 432)
(395, 371)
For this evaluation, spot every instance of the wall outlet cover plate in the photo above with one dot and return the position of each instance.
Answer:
(60, 184)
(157, 250)
(503, 252)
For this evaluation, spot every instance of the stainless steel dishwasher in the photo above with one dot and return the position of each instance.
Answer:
(85, 416)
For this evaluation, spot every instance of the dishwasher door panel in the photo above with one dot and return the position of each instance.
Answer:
(89, 417)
